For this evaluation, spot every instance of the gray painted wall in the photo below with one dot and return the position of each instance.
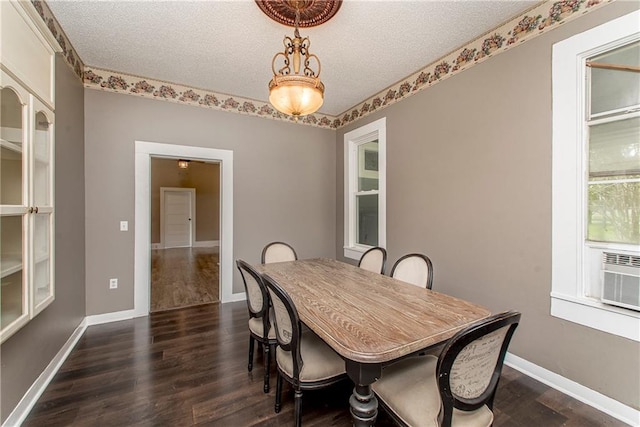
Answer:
(284, 183)
(25, 355)
(204, 178)
(469, 184)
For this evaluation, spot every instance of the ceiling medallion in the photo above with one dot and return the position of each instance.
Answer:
(312, 12)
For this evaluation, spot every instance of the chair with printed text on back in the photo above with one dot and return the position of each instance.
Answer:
(458, 387)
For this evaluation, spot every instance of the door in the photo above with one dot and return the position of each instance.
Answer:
(177, 217)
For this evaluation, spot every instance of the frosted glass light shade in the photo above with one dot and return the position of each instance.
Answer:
(296, 95)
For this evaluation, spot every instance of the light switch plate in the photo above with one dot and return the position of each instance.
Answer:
(124, 225)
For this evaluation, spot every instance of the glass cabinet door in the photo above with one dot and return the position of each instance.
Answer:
(42, 271)
(14, 296)
(42, 204)
(42, 152)
(13, 289)
(12, 119)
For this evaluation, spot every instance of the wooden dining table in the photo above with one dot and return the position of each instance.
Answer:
(369, 319)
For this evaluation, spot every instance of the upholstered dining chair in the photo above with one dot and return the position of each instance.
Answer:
(374, 260)
(415, 269)
(261, 327)
(304, 360)
(278, 252)
(456, 389)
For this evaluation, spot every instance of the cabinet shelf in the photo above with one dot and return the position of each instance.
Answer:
(10, 264)
(9, 145)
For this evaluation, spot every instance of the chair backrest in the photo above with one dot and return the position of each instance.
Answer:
(374, 260)
(415, 269)
(287, 322)
(278, 252)
(257, 295)
(470, 364)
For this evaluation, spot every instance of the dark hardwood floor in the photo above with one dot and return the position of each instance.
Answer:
(189, 367)
(182, 277)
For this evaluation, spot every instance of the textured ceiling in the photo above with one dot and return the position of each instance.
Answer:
(227, 46)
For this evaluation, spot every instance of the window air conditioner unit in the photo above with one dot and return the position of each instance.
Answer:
(621, 280)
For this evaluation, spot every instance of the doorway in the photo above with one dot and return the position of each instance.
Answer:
(144, 151)
(185, 222)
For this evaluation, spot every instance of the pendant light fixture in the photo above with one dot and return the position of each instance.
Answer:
(296, 88)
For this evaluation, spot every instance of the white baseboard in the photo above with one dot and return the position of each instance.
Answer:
(199, 244)
(242, 296)
(116, 316)
(206, 244)
(28, 401)
(592, 398)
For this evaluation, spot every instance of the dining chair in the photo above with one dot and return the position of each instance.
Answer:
(261, 327)
(278, 252)
(374, 260)
(304, 360)
(415, 269)
(458, 387)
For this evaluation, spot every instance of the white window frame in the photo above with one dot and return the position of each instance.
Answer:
(367, 133)
(573, 257)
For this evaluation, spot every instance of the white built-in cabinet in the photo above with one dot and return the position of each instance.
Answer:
(27, 64)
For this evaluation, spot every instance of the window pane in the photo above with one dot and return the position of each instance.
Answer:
(368, 166)
(367, 217)
(614, 149)
(614, 212)
(615, 89)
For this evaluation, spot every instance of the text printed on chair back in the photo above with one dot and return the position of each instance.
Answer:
(470, 365)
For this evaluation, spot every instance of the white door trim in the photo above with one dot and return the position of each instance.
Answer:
(143, 152)
(192, 225)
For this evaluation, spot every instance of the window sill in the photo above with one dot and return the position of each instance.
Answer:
(354, 252)
(610, 319)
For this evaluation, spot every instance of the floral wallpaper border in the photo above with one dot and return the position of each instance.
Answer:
(536, 21)
(70, 55)
(112, 81)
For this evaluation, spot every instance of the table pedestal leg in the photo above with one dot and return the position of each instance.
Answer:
(364, 406)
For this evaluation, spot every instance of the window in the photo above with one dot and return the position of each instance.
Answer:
(365, 188)
(596, 177)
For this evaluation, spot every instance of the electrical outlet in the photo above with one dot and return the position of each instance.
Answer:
(113, 283)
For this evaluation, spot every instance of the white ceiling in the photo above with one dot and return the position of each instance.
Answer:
(227, 46)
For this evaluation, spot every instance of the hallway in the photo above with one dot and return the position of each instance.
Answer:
(182, 277)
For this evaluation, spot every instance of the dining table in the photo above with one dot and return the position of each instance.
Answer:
(369, 319)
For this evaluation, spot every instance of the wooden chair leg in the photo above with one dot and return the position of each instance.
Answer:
(298, 407)
(267, 360)
(278, 393)
(250, 365)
